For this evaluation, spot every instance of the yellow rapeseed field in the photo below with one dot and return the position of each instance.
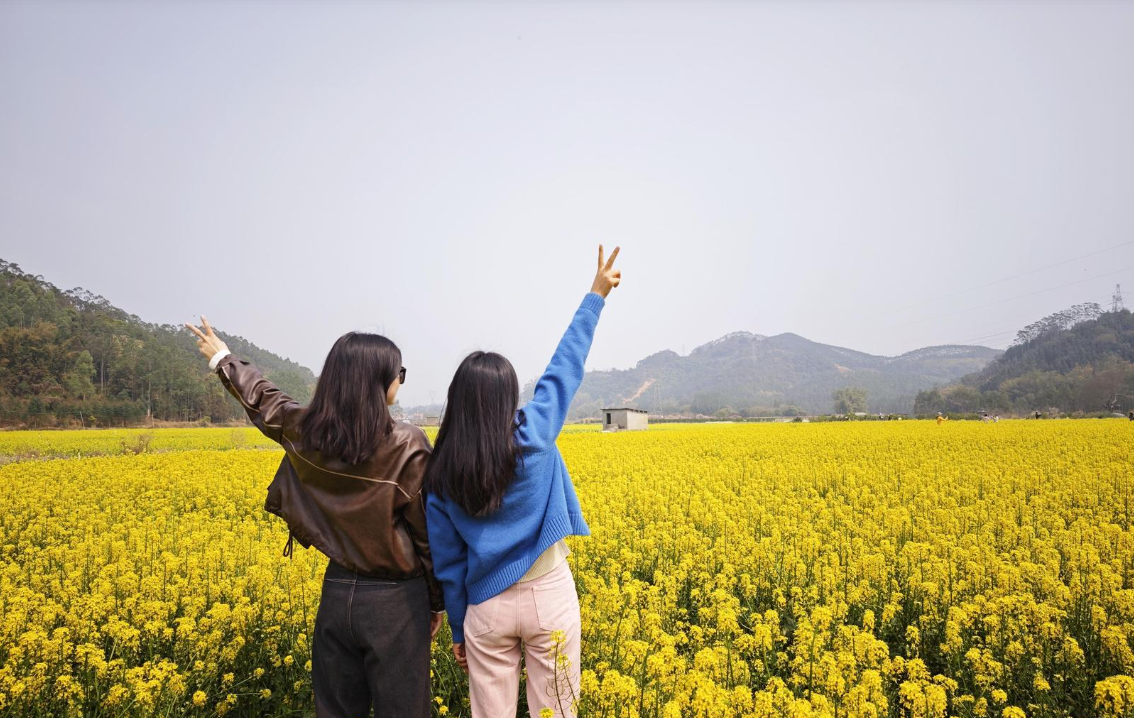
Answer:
(862, 569)
(78, 443)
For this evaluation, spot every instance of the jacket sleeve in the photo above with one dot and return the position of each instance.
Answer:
(450, 564)
(414, 515)
(263, 401)
(544, 415)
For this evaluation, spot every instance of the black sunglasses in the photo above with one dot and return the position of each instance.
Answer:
(402, 376)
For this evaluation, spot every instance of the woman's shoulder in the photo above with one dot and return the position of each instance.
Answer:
(522, 431)
(527, 440)
(409, 436)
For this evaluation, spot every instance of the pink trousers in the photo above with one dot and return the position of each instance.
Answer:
(543, 614)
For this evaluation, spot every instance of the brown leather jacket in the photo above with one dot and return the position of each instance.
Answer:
(369, 517)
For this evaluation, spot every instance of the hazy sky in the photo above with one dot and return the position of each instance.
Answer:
(852, 172)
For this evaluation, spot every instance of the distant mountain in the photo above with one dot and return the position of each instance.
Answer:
(73, 357)
(756, 375)
(1078, 360)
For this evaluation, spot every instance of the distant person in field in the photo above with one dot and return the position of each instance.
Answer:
(940, 419)
(500, 502)
(351, 486)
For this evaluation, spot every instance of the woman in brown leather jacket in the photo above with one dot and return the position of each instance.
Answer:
(350, 485)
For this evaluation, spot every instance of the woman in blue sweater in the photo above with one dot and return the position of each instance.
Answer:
(500, 503)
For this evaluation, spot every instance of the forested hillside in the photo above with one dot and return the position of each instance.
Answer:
(73, 358)
(1077, 360)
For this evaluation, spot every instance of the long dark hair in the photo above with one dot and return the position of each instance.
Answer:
(348, 418)
(474, 457)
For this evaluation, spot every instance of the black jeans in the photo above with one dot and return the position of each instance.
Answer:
(371, 647)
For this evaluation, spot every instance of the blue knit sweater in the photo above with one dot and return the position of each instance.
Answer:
(477, 558)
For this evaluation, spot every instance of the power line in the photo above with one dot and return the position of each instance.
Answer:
(989, 336)
(1006, 279)
(994, 334)
(1009, 299)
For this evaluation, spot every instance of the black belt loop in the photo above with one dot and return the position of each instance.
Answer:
(289, 546)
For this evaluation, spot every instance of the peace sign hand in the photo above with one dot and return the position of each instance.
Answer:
(208, 342)
(607, 277)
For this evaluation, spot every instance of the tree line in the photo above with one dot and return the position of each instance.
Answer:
(1078, 361)
(71, 358)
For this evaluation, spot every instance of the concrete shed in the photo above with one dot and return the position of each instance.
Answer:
(624, 419)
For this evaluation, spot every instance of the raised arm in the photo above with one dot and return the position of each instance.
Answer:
(264, 402)
(545, 413)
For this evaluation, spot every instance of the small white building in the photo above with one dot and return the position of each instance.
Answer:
(624, 420)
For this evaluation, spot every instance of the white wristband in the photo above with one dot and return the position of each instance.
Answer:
(216, 359)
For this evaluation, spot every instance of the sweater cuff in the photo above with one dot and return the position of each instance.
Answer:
(216, 359)
(458, 633)
(594, 302)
